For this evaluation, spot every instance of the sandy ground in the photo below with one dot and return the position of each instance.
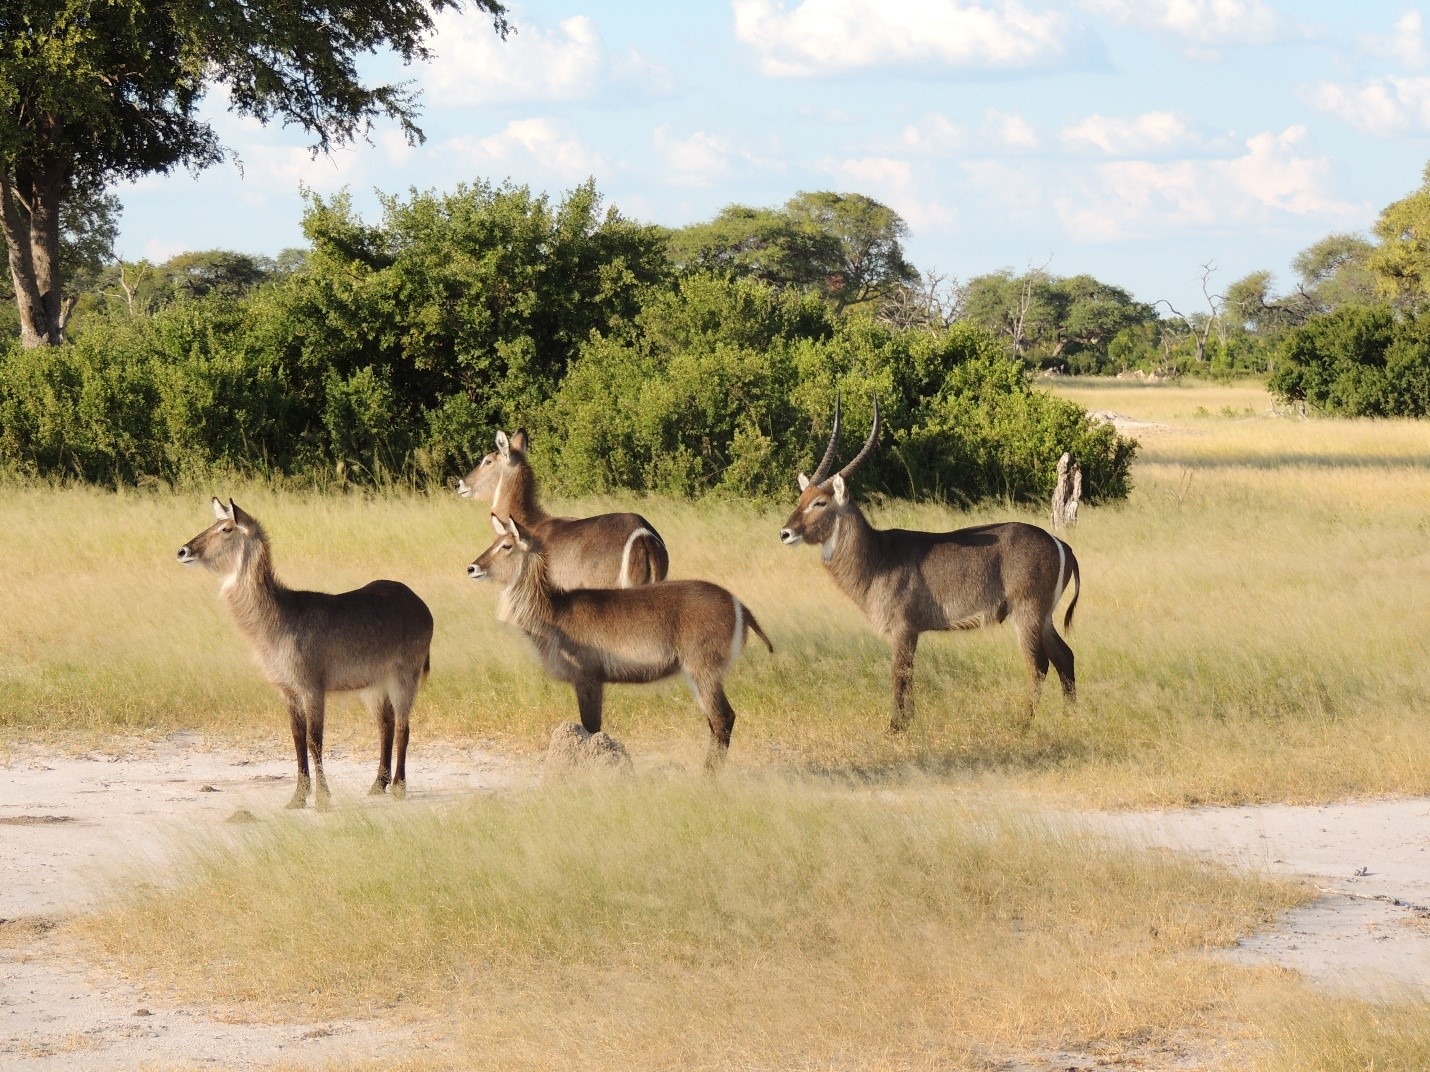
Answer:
(66, 822)
(1369, 931)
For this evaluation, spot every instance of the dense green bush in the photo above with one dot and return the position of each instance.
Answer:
(1359, 361)
(393, 351)
(726, 386)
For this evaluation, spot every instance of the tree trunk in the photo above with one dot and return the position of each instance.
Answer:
(1067, 493)
(30, 220)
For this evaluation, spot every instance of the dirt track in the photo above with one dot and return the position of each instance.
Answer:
(65, 821)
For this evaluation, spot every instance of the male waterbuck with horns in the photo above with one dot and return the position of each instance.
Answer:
(592, 637)
(373, 641)
(909, 582)
(604, 551)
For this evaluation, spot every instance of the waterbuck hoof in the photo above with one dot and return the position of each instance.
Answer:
(323, 802)
(379, 787)
(296, 803)
(399, 790)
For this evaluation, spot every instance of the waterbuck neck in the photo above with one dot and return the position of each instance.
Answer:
(849, 553)
(526, 600)
(515, 496)
(252, 593)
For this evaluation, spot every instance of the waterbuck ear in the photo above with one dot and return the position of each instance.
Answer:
(523, 538)
(520, 440)
(841, 493)
(512, 529)
(221, 512)
(241, 519)
(497, 526)
(803, 482)
(503, 445)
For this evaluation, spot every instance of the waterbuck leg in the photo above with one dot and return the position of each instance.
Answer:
(589, 701)
(321, 796)
(905, 645)
(386, 723)
(1062, 657)
(721, 717)
(1030, 640)
(402, 707)
(299, 723)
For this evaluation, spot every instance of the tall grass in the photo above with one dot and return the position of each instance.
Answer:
(674, 923)
(1249, 627)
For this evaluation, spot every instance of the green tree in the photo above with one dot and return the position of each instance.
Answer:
(1401, 263)
(1336, 271)
(868, 236)
(848, 247)
(97, 91)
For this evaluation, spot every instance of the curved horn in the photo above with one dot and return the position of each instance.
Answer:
(827, 462)
(868, 448)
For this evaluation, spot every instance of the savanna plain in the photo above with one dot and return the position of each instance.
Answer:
(1251, 629)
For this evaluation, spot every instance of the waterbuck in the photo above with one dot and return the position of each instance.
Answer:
(604, 551)
(908, 582)
(373, 641)
(592, 637)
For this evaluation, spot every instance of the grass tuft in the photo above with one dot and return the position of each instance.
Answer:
(734, 924)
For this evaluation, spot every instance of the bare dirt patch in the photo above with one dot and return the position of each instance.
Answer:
(68, 822)
(1369, 931)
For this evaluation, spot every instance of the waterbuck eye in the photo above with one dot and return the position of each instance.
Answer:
(486, 461)
(821, 502)
(228, 527)
(506, 547)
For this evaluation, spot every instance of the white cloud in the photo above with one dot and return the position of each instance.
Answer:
(158, 250)
(1151, 132)
(535, 151)
(932, 135)
(1133, 198)
(568, 62)
(284, 168)
(895, 183)
(1199, 22)
(703, 158)
(1405, 44)
(1011, 188)
(1385, 107)
(1009, 130)
(829, 37)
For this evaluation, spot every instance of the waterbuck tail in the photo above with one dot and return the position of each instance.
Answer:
(750, 621)
(644, 559)
(1077, 590)
(426, 665)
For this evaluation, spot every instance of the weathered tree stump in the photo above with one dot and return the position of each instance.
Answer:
(1067, 493)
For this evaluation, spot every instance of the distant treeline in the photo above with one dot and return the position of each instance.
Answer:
(640, 358)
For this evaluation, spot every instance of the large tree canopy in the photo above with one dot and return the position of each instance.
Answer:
(846, 246)
(93, 91)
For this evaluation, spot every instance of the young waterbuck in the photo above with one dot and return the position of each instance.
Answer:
(373, 641)
(592, 637)
(908, 582)
(604, 551)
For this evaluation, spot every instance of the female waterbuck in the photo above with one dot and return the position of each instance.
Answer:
(592, 637)
(908, 582)
(373, 641)
(604, 551)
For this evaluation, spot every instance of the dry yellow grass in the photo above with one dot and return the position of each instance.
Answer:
(1248, 630)
(749, 923)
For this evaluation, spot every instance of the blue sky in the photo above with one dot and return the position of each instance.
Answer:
(1133, 139)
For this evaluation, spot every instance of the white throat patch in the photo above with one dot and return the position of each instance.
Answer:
(828, 545)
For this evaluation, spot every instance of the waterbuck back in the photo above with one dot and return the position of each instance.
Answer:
(618, 550)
